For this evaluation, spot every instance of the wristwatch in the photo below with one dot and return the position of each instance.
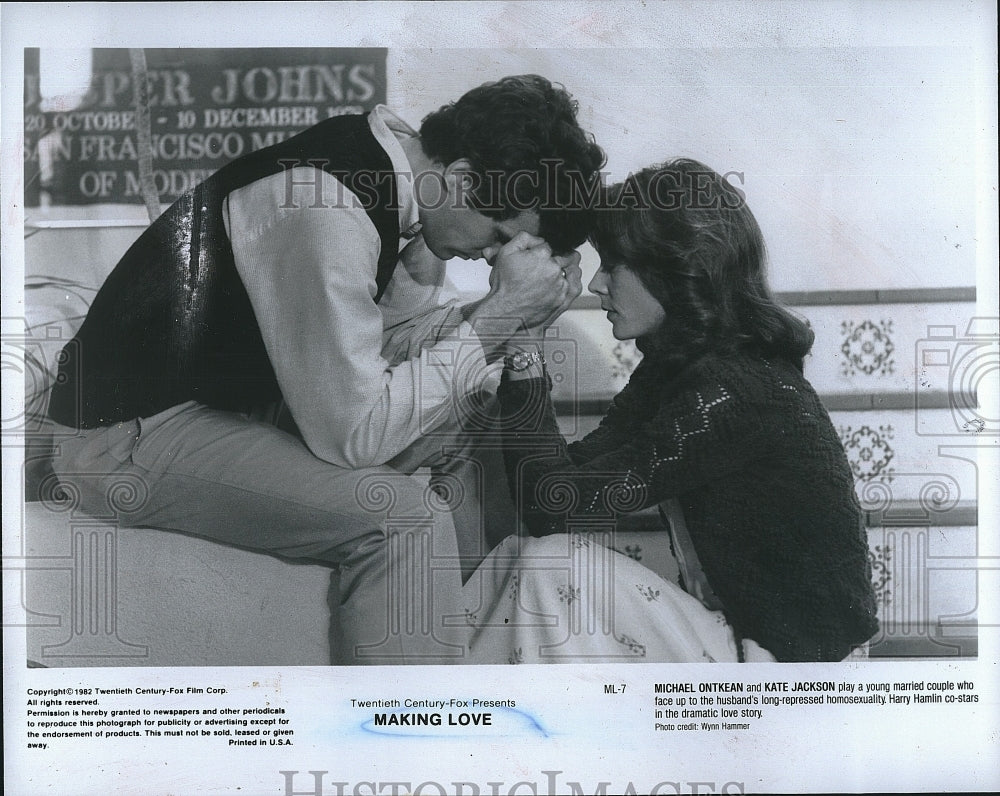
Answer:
(522, 360)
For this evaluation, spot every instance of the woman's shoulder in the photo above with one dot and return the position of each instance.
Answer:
(747, 378)
(743, 369)
(741, 378)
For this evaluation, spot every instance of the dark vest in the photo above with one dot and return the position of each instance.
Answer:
(173, 321)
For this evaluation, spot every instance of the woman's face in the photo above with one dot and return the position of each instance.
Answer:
(631, 308)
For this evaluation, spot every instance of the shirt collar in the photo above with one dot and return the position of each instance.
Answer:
(389, 130)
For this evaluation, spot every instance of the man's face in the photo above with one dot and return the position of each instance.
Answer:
(453, 228)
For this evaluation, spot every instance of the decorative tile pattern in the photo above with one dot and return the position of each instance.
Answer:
(880, 557)
(869, 452)
(867, 348)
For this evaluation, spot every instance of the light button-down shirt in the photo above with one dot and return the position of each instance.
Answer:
(363, 380)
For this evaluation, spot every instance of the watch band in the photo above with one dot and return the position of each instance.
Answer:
(522, 360)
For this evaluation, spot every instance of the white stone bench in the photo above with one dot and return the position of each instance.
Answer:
(98, 595)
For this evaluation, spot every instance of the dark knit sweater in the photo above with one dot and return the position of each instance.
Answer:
(749, 451)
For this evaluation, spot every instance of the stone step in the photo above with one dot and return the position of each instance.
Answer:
(865, 356)
(84, 251)
(903, 514)
(914, 349)
(926, 579)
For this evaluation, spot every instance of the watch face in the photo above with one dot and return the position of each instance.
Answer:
(521, 360)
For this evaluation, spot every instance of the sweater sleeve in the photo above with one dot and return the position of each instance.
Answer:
(702, 433)
(617, 425)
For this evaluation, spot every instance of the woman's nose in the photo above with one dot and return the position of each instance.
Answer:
(599, 284)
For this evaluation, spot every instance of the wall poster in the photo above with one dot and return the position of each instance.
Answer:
(207, 107)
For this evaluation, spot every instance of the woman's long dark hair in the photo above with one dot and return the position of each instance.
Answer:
(689, 236)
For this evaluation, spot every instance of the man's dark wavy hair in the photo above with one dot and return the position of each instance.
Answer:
(690, 237)
(527, 150)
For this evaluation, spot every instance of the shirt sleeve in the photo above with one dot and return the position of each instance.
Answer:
(701, 435)
(414, 316)
(309, 268)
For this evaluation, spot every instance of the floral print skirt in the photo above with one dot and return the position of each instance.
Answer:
(568, 599)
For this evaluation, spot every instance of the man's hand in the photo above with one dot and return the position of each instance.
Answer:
(529, 286)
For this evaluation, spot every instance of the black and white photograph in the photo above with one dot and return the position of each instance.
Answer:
(500, 397)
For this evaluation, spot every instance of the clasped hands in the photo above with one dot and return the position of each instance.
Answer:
(530, 287)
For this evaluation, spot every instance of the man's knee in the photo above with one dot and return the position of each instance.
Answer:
(394, 511)
(86, 477)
